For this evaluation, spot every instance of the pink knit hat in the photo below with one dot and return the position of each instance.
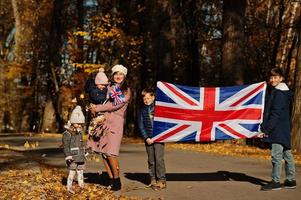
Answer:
(101, 77)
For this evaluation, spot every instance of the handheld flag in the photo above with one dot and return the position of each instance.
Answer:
(203, 114)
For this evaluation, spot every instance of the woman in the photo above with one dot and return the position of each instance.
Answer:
(109, 143)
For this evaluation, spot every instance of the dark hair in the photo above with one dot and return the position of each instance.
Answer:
(147, 91)
(124, 85)
(276, 72)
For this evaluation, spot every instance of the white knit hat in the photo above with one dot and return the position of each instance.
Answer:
(101, 77)
(77, 116)
(119, 68)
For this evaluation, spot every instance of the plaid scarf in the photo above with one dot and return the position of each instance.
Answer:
(117, 95)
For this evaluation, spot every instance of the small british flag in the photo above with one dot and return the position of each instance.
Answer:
(116, 95)
(207, 114)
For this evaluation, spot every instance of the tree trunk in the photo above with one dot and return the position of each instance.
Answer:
(32, 51)
(24, 29)
(193, 68)
(289, 36)
(164, 41)
(49, 124)
(278, 34)
(296, 115)
(233, 60)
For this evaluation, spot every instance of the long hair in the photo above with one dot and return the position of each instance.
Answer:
(123, 86)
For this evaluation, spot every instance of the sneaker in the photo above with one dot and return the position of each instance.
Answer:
(290, 184)
(271, 186)
(159, 185)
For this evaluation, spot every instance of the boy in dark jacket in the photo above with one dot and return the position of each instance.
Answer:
(74, 148)
(155, 151)
(276, 130)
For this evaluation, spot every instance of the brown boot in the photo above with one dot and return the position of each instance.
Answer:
(161, 184)
(152, 183)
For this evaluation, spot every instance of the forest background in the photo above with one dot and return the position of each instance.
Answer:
(49, 48)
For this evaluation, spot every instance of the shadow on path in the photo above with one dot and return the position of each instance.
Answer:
(94, 178)
(47, 151)
(210, 176)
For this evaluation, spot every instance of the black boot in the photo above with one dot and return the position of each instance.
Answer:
(110, 183)
(116, 184)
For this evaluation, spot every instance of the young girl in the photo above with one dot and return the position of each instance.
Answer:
(115, 109)
(74, 148)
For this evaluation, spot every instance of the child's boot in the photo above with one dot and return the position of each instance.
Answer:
(70, 180)
(116, 184)
(152, 182)
(110, 183)
(80, 178)
(161, 184)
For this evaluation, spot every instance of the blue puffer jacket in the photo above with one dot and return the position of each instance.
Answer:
(276, 117)
(145, 121)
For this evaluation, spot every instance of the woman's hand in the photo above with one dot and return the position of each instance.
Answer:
(92, 108)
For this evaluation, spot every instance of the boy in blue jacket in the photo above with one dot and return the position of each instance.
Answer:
(275, 129)
(155, 151)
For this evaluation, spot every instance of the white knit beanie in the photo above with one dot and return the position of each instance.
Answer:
(77, 116)
(101, 78)
(119, 68)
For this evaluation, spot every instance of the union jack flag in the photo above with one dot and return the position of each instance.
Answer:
(117, 95)
(208, 113)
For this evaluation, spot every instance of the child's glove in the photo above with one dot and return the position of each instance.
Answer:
(69, 160)
(261, 135)
(86, 155)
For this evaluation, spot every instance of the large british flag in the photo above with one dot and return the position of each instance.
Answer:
(208, 113)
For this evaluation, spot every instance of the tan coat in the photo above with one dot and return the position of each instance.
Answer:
(113, 126)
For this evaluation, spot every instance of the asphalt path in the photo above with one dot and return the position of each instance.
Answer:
(190, 175)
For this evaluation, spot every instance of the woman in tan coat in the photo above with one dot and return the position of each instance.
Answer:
(109, 143)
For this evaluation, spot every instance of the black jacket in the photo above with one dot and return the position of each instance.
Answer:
(276, 117)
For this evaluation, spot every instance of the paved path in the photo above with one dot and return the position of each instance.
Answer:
(190, 175)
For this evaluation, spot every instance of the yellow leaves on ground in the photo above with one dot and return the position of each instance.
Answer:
(32, 145)
(27, 145)
(46, 183)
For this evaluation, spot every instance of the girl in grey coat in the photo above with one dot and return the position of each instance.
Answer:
(74, 148)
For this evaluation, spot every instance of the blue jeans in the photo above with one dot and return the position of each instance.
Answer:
(279, 153)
